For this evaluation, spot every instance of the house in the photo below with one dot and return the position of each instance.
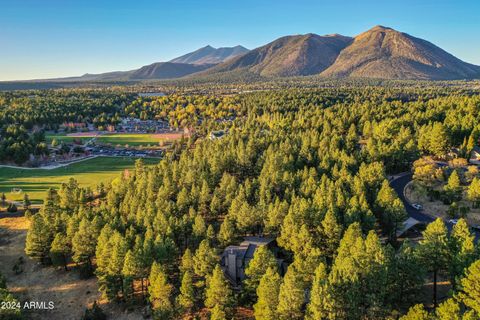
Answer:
(475, 155)
(215, 135)
(235, 259)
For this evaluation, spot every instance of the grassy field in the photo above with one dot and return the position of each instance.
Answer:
(132, 139)
(88, 173)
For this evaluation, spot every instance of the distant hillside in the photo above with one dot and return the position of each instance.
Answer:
(166, 70)
(289, 56)
(210, 55)
(388, 54)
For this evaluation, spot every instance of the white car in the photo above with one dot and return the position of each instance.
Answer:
(417, 206)
(453, 221)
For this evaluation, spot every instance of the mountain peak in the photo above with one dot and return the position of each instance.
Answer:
(294, 55)
(385, 53)
(210, 55)
(379, 27)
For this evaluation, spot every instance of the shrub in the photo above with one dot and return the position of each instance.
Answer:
(12, 208)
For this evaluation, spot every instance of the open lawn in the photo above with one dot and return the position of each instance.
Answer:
(131, 139)
(88, 173)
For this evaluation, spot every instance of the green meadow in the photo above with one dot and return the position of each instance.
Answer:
(35, 182)
(132, 139)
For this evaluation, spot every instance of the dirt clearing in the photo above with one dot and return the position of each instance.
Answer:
(69, 294)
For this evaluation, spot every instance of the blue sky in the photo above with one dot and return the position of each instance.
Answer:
(53, 38)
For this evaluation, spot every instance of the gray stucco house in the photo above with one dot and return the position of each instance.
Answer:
(235, 259)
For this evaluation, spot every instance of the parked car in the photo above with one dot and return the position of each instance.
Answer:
(417, 206)
(453, 221)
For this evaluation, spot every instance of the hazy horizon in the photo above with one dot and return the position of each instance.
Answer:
(56, 39)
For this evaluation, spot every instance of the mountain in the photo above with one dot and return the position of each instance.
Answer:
(380, 52)
(385, 53)
(210, 55)
(158, 70)
(296, 55)
(166, 70)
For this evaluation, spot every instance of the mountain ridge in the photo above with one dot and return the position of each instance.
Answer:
(380, 53)
(289, 56)
(210, 55)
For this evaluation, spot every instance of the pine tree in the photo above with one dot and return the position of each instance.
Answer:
(473, 192)
(211, 234)
(391, 209)
(38, 240)
(470, 285)
(186, 299)
(417, 312)
(291, 296)
(462, 250)
(218, 291)
(103, 249)
(217, 313)
(132, 269)
(204, 260)
(448, 310)
(199, 228)
(267, 292)
(263, 259)
(186, 265)
(84, 244)
(60, 251)
(433, 251)
(160, 292)
(453, 186)
(315, 308)
(332, 232)
(406, 276)
(227, 231)
(471, 143)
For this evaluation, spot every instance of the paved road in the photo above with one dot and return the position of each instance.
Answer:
(398, 185)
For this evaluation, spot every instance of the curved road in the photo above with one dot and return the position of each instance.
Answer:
(398, 184)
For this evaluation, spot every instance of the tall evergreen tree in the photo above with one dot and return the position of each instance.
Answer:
(160, 292)
(316, 308)
(38, 240)
(268, 291)
(186, 299)
(462, 250)
(84, 244)
(218, 291)
(291, 296)
(433, 251)
(204, 260)
(470, 288)
(332, 232)
(416, 312)
(263, 259)
(60, 251)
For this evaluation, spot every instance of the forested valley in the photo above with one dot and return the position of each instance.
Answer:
(308, 168)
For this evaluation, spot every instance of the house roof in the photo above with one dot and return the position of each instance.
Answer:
(408, 224)
(247, 248)
(257, 241)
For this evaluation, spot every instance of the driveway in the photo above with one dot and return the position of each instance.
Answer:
(398, 184)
